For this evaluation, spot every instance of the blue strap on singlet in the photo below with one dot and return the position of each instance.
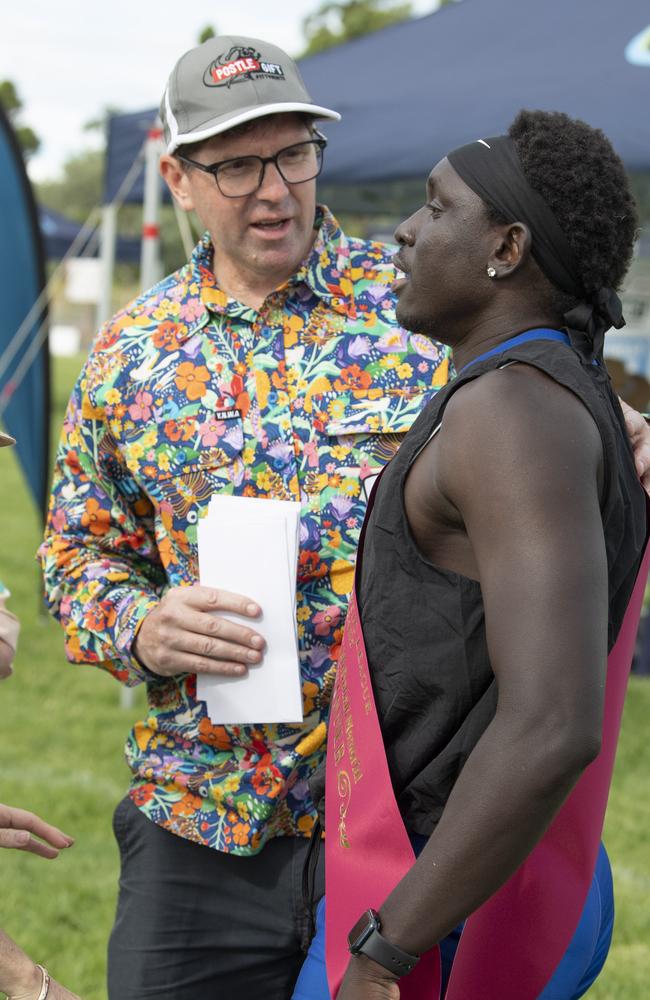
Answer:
(540, 333)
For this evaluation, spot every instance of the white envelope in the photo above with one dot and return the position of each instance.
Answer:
(250, 546)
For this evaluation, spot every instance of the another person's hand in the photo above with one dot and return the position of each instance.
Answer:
(9, 629)
(183, 634)
(19, 829)
(639, 435)
(22, 979)
(365, 980)
(32, 990)
(6, 659)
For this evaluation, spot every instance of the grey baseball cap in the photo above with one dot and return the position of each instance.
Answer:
(229, 80)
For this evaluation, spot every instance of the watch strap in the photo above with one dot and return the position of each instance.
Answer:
(389, 955)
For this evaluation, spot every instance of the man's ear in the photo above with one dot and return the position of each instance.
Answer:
(176, 179)
(511, 250)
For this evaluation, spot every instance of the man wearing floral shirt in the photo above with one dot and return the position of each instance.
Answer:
(270, 365)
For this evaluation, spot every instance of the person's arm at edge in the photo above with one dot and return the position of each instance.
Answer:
(551, 679)
(19, 976)
(22, 979)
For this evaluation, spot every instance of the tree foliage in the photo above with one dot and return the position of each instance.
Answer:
(100, 122)
(334, 23)
(80, 188)
(207, 32)
(13, 105)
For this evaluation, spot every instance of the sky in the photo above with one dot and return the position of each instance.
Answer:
(71, 59)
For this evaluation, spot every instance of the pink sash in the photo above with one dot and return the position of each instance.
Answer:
(511, 945)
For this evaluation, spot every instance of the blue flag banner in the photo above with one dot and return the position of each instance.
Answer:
(24, 355)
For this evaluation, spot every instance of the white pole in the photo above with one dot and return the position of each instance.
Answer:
(127, 697)
(150, 269)
(107, 246)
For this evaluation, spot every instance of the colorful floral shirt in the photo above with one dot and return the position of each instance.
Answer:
(187, 392)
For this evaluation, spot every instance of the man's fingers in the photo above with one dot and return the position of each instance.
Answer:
(185, 632)
(219, 649)
(642, 458)
(212, 626)
(185, 663)
(211, 599)
(645, 481)
(639, 435)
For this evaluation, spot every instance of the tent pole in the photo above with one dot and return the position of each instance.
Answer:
(150, 270)
(107, 243)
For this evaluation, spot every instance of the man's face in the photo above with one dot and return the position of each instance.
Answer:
(444, 250)
(267, 234)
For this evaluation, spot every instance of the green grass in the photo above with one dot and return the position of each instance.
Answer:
(63, 732)
(62, 736)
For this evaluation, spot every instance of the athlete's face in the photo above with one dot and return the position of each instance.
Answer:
(444, 249)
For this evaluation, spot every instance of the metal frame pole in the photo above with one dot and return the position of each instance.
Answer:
(150, 269)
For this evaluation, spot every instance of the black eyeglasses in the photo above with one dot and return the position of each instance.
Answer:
(244, 174)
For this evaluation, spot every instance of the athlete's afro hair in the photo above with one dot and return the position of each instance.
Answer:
(575, 169)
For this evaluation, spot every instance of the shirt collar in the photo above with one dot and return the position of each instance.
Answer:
(326, 271)
(327, 268)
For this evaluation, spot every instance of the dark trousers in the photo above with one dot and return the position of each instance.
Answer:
(197, 924)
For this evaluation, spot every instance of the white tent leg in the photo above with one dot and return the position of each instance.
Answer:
(107, 245)
(150, 269)
(127, 697)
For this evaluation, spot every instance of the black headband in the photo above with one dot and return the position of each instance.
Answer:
(492, 169)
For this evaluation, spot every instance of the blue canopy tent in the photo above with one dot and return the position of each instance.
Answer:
(59, 233)
(126, 136)
(24, 360)
(413, 91)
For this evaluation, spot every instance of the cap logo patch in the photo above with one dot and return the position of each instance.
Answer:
(240, 63)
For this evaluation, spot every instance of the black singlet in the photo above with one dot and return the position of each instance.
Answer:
(424, 626)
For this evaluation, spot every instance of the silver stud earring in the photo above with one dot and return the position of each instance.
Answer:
(492, 271)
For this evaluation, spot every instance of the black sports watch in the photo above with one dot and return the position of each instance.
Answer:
(365, 939)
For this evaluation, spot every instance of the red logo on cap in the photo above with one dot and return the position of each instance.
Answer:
(240, 63)
(221, 73)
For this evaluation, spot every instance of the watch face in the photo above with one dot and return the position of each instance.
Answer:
(365, 925)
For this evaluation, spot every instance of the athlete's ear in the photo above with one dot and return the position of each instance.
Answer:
(511, 249)
(175, 175)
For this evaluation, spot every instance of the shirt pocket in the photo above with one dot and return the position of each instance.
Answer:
(361, 435)
(390, 412)
(353, 439)
(181, 462)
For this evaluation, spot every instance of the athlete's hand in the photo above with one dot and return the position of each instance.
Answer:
(185, 634)
(19, 829)
(639, 435)
(366, 980)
